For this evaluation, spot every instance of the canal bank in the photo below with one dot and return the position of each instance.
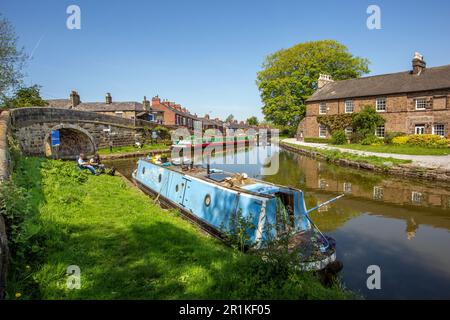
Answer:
(398, 165)
(127, 247)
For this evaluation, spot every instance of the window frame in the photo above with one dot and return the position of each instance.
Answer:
(352, 104)
(424, 104)
(443, 129)
(377, 130)
(322, 127)
(322, 104)
(416, 126)
(384, 99)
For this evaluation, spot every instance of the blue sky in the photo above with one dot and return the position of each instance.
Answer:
(205, 54)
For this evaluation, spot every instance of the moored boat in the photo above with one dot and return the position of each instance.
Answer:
(213, 198)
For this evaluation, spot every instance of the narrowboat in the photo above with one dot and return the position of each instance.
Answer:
(203, 142)
(212, 198)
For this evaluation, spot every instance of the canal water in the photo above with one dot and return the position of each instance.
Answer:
(402, 226)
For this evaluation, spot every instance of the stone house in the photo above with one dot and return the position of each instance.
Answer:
(413, 102)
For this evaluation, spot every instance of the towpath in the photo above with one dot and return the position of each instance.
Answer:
(442, 162)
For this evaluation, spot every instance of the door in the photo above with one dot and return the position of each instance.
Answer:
(420, 129)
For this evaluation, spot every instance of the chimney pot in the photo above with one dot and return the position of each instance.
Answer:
(108, 98)
(324, 79)
(74, 99)
(418, 64)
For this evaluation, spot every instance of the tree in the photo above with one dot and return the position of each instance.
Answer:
(229, 119)
(253, 121)
(12, 59)
(25, 97)
(366, 122)
(289, 77)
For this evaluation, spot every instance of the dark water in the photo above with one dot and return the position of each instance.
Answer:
(400, 225)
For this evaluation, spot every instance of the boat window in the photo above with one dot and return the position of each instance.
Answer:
(160, 177)
(207, 200)
(176, 188)
(143, 170)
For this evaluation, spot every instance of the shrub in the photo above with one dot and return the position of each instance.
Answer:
(422, 140)
(371, 140)
(163, 132)
(366, 121)
(391, 135)
(339, 137)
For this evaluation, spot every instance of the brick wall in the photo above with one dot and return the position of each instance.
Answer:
(401, 114)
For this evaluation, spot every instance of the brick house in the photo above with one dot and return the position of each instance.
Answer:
(415, 101)
(174, 114)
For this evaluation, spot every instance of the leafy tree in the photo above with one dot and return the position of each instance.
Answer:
(253, 121)
(229, 119)
(366, 122)
(289, 77)
(25, 97)
(12, 59)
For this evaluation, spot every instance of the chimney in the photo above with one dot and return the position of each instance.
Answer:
(324, 79)
(206, 116)
(146, 103)
(74, 99)
(108, 98)
(418, 64)
(156, 100)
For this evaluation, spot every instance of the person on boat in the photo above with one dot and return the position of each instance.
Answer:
(96, 163)
(83, 164)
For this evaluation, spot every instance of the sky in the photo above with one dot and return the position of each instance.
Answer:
(205, 54)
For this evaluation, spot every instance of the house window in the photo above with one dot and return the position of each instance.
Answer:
(348, 131)
(349, 106)
(323, 184)
(379, 132)
(119, 113)
(419, 129)
(322, 132)
(381, 104)
(438, 129)
(421, 104)
(347, 187)
(323, 108)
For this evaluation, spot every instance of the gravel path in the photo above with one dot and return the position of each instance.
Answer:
(442, 162)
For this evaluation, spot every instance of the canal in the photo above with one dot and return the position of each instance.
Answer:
(400, 225)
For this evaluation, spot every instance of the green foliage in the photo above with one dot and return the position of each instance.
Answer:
(25, 97)
(289, 77)
(389, 136)
(336, 121)
(229, 119)
(163, 132)
(237, 233)
(422, 140)
(339, 137)
(12, 59)
(318, 140)
(371, 140)
(253, 121)
(366, 122)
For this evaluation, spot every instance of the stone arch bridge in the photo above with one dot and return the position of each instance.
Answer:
(80, 131)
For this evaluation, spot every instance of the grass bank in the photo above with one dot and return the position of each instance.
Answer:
(129, 149)
(126, 246)
(399, 149)
(334, 155)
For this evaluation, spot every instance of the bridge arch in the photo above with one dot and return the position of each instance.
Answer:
(74, 140)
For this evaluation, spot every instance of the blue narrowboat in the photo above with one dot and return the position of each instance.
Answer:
(211, 198)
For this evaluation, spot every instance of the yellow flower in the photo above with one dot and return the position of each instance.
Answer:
(18, 294)
(28, 267)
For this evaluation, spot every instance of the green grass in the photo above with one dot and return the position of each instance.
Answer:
(333, 155)
(399, 149)
(129, 248)
(128, 149)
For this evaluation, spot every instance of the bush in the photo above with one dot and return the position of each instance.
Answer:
(317, 140)
(366, 122)
(339, 137)
(371, 140)
(391, 135)
(163, 132)
(422, 140)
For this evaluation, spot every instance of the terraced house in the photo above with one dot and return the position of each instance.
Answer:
(415, 101)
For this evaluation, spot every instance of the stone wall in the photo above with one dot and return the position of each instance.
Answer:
(4, 174)
(401, 114)
(34, 125)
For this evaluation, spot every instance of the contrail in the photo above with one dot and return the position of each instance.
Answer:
(36, 46)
